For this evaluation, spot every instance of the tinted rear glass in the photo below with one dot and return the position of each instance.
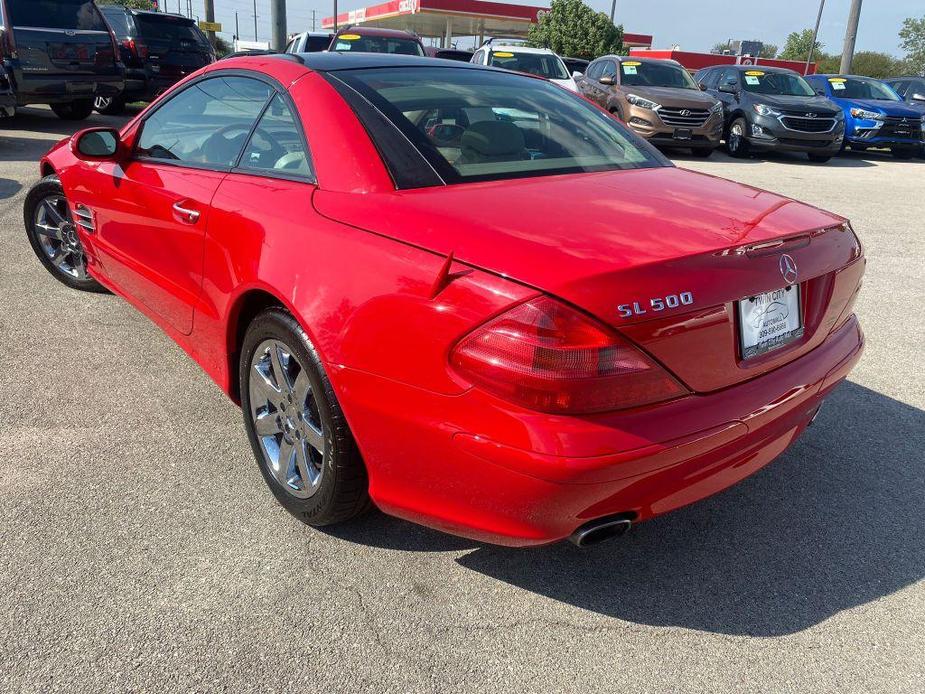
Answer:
(56, 14)
(119, 21)
(475, 124)
(539, 64)
(155, 28)
(317, 43)
(377, 44)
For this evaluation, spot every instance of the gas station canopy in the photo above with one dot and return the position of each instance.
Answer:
(448, 18)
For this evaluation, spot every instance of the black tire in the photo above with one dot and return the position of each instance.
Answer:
(342, 493)
(858, 148)
(109, 106)
(617, 113)
(903, 153)
(47, 188)
(736, 143)
(74, 110)
(702, 152)
(819, 158)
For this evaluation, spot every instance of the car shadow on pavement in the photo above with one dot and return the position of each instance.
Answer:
(835, 523)
(40, 122)
(9, 188)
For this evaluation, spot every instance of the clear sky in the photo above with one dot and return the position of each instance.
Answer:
(694, 25)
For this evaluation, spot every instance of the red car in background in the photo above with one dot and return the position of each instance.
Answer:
(461, 294)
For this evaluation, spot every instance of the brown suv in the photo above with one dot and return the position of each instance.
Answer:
(658, 99)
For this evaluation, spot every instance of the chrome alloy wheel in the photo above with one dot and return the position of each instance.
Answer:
(101, 103)
(57, 235)
(286, 419)
(736, 136)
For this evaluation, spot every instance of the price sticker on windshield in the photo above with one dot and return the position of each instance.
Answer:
(502, 54)
(348, 37)
(630, 68)
(755, 73)
(751, 79)
(838, 83)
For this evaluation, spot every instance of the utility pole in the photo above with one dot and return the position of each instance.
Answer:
(278, 25)
(210, 17)
(851, 35)
(237, 28)
(335, 16)
(812, 46)
(255, 20)
(313, 20)
(613, 9)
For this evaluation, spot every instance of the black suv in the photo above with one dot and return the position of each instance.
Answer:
(773, 109)
(158, 50)
(57, 52)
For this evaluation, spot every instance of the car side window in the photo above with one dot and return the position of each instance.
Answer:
(730, 77)
(708, 78)
(206, 124)
(610, 70)
(594, 70)
(479, 58)
(901, 86)
(277, 146)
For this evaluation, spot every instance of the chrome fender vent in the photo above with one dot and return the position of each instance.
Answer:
(84, 218)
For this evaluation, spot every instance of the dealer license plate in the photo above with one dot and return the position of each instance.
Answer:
(683, 133)
(769, 321)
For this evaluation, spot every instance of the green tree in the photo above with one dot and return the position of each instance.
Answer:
(912, 40)
(133, 4)
(874, 64)
(798, 45)
(573, 29)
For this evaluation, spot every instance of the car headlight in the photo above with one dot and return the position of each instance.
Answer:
(642, 103)
(717, 107)
(866, 115)
(765, 110)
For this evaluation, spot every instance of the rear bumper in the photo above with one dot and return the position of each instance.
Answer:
(430, 461)
(54, 89)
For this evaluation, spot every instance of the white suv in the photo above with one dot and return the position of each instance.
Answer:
(535, 61)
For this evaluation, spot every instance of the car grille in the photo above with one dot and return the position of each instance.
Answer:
(683, 117)
(894, 123)
(804, 143)
(819, 124)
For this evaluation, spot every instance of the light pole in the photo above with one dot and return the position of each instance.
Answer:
(278, 24)
(210, 17)
(613, 9)
(851, 35)
(812, 46)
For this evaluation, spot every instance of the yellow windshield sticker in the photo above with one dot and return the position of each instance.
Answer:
(348, 37)
(502, 54)
(755, 73)
(833, 80)
(632, 63)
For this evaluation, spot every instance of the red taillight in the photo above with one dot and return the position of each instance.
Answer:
(548, 357)
(136, 48)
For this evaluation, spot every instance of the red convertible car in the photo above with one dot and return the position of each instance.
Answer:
(463, 295)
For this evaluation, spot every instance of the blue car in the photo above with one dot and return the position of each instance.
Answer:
(875, 115)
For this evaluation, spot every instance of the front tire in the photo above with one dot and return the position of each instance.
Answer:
(109, 106)
(819, 158)
(903, 153)
(73, 110)
(53, 235)
(300, 438)
(702, 152)
(736, 142)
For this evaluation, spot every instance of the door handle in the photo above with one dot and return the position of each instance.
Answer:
(185, 214)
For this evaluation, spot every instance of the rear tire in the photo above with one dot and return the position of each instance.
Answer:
(903, 153)
(109, 106)
(297, 430)
(73, 110)
(736, 143)
(52, 235)
(819, 158)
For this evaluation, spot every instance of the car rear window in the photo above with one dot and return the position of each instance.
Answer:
(118, 20)
(56, 14)
(541, 65)
(169, 29)
(314, 44)
(377, 44)
(476, 124)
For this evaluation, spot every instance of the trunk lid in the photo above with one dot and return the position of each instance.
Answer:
(175, 45)
(604, 240)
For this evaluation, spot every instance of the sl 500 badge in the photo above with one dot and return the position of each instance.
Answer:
(656, 304)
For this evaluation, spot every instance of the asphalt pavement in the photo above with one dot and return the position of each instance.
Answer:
(140, 549)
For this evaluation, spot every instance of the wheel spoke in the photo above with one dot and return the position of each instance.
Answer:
(80, 266)
(52, 211)
(267, 425)
(49, 230)
(279, 371)
(314, 437)
(307, 471)
(286, 451)
(302, 388)
(260, 384)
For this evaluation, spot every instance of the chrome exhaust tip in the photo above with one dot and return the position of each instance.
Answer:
(600, 530)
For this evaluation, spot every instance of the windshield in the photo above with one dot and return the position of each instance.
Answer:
(377, 44)
(854, 88)
(646, 74)
(56, 14)
(539, 64)
(776, 83)
(475, 124)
